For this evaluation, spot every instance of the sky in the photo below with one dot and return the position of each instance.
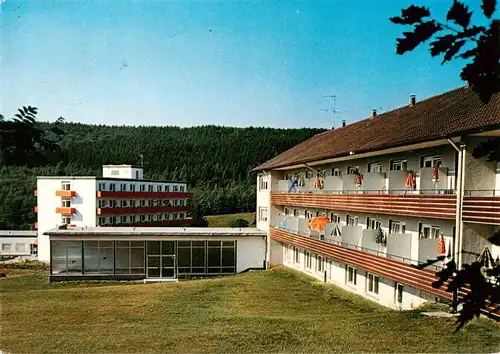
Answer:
(225, 63)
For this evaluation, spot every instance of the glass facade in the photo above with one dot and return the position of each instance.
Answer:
(154, 259)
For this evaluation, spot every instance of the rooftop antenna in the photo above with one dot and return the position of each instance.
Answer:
(333, 110)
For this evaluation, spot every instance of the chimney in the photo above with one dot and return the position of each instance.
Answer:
(413, 100)
(374, 113)
(343, 123)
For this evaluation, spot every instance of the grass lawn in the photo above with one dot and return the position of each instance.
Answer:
(225, 220)
(263, 311)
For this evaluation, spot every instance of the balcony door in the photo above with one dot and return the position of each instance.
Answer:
(160, 258)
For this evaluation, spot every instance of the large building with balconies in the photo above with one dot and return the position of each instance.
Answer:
(359, 206)
(120, 198)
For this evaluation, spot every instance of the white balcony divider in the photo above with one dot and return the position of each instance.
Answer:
(399, 245)
(397, 182)
(368, 241)
(349, 183)
(373, 181)
(427, 248)
(352, 235)
(330, 232)
(333, 184)
(427, 185)
(283, 186)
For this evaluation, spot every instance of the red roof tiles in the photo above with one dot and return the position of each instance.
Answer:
(447, 115)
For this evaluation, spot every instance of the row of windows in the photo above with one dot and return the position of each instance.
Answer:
(351, 274)
(395, 227)
(20, 248)
(136, 187)
(125, 219)
(125, 203)
(394, 165)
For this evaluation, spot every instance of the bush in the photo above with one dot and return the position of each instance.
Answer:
(238, 223)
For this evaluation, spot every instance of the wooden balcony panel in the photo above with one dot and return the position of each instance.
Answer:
(404, 273)
(65, 194)
(144, 195)
(483, 209)
(437, 206)
(142, 210)
(65, 211)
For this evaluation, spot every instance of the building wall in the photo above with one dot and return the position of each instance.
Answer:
(84, 203)
(250, 253)
(263, 202)
(122, 171)
(16, 246)
(336, 274)
(480, 174)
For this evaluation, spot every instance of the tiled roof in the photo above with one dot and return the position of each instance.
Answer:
(447, 115)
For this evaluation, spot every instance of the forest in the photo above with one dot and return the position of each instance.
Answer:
(214, 160)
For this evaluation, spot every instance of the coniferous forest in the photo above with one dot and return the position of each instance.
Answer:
(215, 161)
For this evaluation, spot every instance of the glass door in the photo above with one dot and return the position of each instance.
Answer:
(161, 259)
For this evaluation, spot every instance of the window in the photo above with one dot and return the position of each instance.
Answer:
(149, 202)
(309, 174)
(132, 218)
(285, 212)
(129, 257)
(150, 217)
(263, 214)
(336, 172)
(98, 257)
(373, 224)
(33, 249)
(430, 161)
(288, 176)
(176, 188)
(399, 165)
(176, 202)
(113, 220)
(308, 260)
(399, 293)
(150, 188)
(181, 216)
(296, 251)
(352, 170)
(114, 203)
(374, 167)
(123, 203)
(136, 174)
(123, 219)
(334, 218)
(319, 264)
(133, 187)
(295, 212)
(21, 247)
(112, 187)
(65, 185)
(352, 220)
(123, 187)
(372, 283)
(181, 188)
(102, 220)
(396, 227)
(159, 188)
(221, 256)
(66, 203)
(142, 203)
(66, 257)
(66, 220)
(115, 173)
(131, 203)
(167, 188)
(6, 247)
(263, 183)
(428, 231)
(101, 186)
(143, 187)
(351, 275)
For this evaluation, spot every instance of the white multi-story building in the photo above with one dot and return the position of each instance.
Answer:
(120, 198)
(16, 243)
(395, 190)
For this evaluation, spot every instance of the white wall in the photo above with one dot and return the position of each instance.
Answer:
(19, 246)
(84, 202)
(336, 274)
(263, 200)
(250, 252)
(122, 171)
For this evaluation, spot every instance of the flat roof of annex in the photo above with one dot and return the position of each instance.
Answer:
(158, 231)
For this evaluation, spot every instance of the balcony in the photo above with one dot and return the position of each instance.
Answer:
(434, 206)
(144, 195)
(65, 211)
(142, 210)
(65, 194)
(383, 263)
(482, 206)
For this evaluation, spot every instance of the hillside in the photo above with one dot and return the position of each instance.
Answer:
(214, 160)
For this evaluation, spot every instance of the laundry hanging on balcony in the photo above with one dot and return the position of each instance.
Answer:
(411, 181)
(318, 223)
(435, 173)
(441, 245)
(359, 180)
(293, 185)
(486, 259)
(318, 182)
(302, 180)
(283, 224)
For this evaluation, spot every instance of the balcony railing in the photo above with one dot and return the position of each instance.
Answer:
(383, 192)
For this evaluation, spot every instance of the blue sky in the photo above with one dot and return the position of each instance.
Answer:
(224, 63)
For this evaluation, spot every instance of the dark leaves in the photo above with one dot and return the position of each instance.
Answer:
(488, 7)
(411, 15)
(422, 32)
(452, 51)
(442, 44)
(459, 13)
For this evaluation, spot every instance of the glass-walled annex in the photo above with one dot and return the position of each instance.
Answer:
(136, 259)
